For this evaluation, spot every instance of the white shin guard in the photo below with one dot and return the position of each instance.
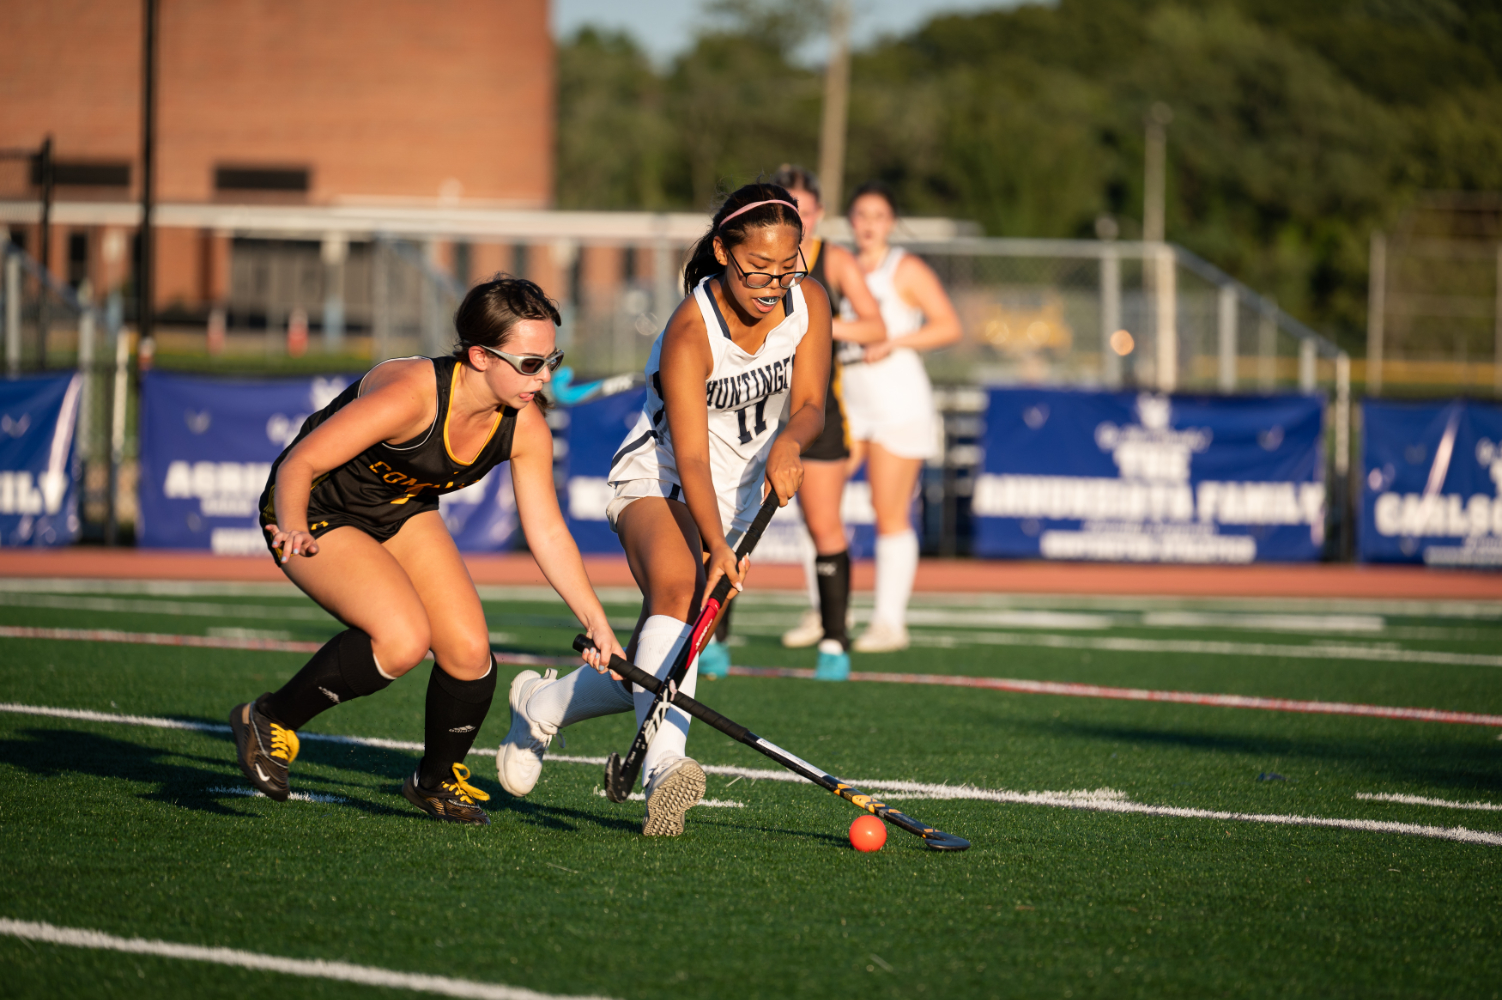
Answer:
(896, 565)
(661, 639)
(583, 694)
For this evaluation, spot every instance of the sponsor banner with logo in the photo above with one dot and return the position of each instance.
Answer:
(38, 463)
(207, 445)
(1431, 483)
(596, 430)
(1132, 477)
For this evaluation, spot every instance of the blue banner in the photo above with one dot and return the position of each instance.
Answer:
(589, 440)
(38, 463)
(207, 445)
(1148, 478)
(1431, 483)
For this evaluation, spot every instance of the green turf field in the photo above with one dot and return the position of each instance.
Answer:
(139, 831)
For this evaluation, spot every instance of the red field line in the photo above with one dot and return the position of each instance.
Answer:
(977, 576)
(1144, 694)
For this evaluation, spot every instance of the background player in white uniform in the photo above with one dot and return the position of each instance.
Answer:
(826, 462)
(890, 406)
(735, 393)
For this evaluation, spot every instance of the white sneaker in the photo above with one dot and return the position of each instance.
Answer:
(518, 763)
(808, 631)
(881, 637)
(674, 788)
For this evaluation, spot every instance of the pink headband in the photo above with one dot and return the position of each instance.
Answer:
(757, 204)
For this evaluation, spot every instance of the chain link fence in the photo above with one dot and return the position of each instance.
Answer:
(1098, 314)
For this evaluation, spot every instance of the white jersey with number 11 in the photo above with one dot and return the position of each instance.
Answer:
(748, 399)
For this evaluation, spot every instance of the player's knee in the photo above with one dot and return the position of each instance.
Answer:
(675, 598)
(468, 658)
(400, 647)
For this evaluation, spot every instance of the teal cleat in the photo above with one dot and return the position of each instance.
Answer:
(714, 660)
(834, 662)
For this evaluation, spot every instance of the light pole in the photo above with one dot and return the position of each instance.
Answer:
(148, 158)
(836, 106)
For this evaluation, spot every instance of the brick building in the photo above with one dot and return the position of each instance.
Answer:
(317, 102)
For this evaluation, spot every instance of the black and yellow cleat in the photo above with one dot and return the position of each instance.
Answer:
(453, 802)
(263, 748)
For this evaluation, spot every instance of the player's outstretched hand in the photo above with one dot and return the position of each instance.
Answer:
(605, 647)
(292, 543)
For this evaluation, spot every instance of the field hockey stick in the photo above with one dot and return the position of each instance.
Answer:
(620, 775)
(567, 394)
(935, 839)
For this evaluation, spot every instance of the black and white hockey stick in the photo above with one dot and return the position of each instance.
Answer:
(935, 839)
(621, 774)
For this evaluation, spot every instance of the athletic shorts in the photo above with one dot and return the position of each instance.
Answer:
(891, 402)
(833, 442)
(321, 522)
(632, 490)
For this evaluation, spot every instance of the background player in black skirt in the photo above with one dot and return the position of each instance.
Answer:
(826, 462)
(351, 514)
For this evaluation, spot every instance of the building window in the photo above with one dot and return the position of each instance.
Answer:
(74, 173)
(273, 180)
(78, 256)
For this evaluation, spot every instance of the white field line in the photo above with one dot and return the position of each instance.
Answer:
(1419, 800)
(711, 803)
(1100, 800)
(317, 797)
(306, 611)
(365, 975)
(1379, 654)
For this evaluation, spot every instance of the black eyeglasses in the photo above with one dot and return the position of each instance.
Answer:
(526, 364)
(761, 279)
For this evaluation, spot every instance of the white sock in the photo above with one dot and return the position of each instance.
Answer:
(896, 565)
(661, 639)
(583, 694)
(810, 572)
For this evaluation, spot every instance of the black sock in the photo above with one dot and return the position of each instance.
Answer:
(344, 668)
(833, 575)
(452, 720)
(722, 630)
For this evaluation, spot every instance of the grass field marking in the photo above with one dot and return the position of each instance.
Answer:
(190, 609)
(157, 639)
(1100, 800)
(1122, 644)
(1144, 694)
(711, 803)
(147, 588)
(365, 975)
(316, 797)
(1419, 800)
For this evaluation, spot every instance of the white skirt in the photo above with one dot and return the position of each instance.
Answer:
(891, 402)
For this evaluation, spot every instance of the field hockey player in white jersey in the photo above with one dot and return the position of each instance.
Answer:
(735, 393)
(890, 405)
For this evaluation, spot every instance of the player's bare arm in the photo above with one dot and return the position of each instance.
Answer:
(846, 280)
(548, 537)
(806, 401)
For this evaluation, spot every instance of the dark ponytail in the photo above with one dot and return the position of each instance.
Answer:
(702, 262)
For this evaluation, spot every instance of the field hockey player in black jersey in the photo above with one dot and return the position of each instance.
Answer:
(351, 516)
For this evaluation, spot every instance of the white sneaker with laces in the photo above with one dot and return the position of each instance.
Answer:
(808, 631)
(518, 763)
(881, 637)
(673, 789)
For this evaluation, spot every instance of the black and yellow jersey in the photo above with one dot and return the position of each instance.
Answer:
(833, 442)
(384, 485)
